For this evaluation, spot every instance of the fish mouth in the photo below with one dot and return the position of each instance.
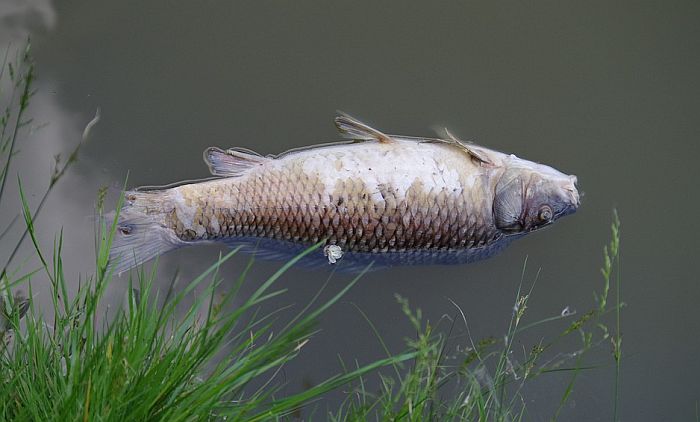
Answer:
(574, 199)
(567, 210)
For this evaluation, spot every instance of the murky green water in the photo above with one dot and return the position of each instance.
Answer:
(608, 92)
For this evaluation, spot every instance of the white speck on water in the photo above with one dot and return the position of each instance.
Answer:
(333, 252)
(567, 311)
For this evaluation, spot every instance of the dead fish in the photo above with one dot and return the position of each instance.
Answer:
(386, 199)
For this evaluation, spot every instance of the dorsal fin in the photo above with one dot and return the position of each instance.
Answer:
(474, 153)
(232, 162)
(355, 129)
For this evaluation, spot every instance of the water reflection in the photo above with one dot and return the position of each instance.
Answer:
(18, 18)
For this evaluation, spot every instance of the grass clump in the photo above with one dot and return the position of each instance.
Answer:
(147, 362)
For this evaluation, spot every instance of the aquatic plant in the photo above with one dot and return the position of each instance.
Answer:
(459, 378)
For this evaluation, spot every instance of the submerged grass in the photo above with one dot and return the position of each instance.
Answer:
(453, 379)
(156, 358)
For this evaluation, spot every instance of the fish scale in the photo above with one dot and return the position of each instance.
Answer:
(432, 220)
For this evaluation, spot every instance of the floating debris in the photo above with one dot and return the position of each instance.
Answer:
(333, 252)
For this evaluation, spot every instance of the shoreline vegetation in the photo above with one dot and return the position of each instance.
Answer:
(160, 357)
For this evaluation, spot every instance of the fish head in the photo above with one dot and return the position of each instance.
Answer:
(530, 196)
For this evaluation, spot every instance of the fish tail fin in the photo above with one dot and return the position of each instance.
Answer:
(141, 233)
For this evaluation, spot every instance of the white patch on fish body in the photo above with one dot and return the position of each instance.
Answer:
(214, 223)
(184, 212)
(397, 165)
(514, 161)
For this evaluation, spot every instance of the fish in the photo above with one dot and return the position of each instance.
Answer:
(370, 198)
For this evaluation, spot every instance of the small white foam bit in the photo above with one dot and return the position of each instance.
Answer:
(567, 311)
(333, 252)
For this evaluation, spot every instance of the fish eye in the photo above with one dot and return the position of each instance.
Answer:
(545, 214)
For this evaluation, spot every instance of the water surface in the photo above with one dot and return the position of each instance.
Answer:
(606, 91)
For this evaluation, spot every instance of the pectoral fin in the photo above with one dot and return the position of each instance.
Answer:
(355, 129)
(232, 162)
